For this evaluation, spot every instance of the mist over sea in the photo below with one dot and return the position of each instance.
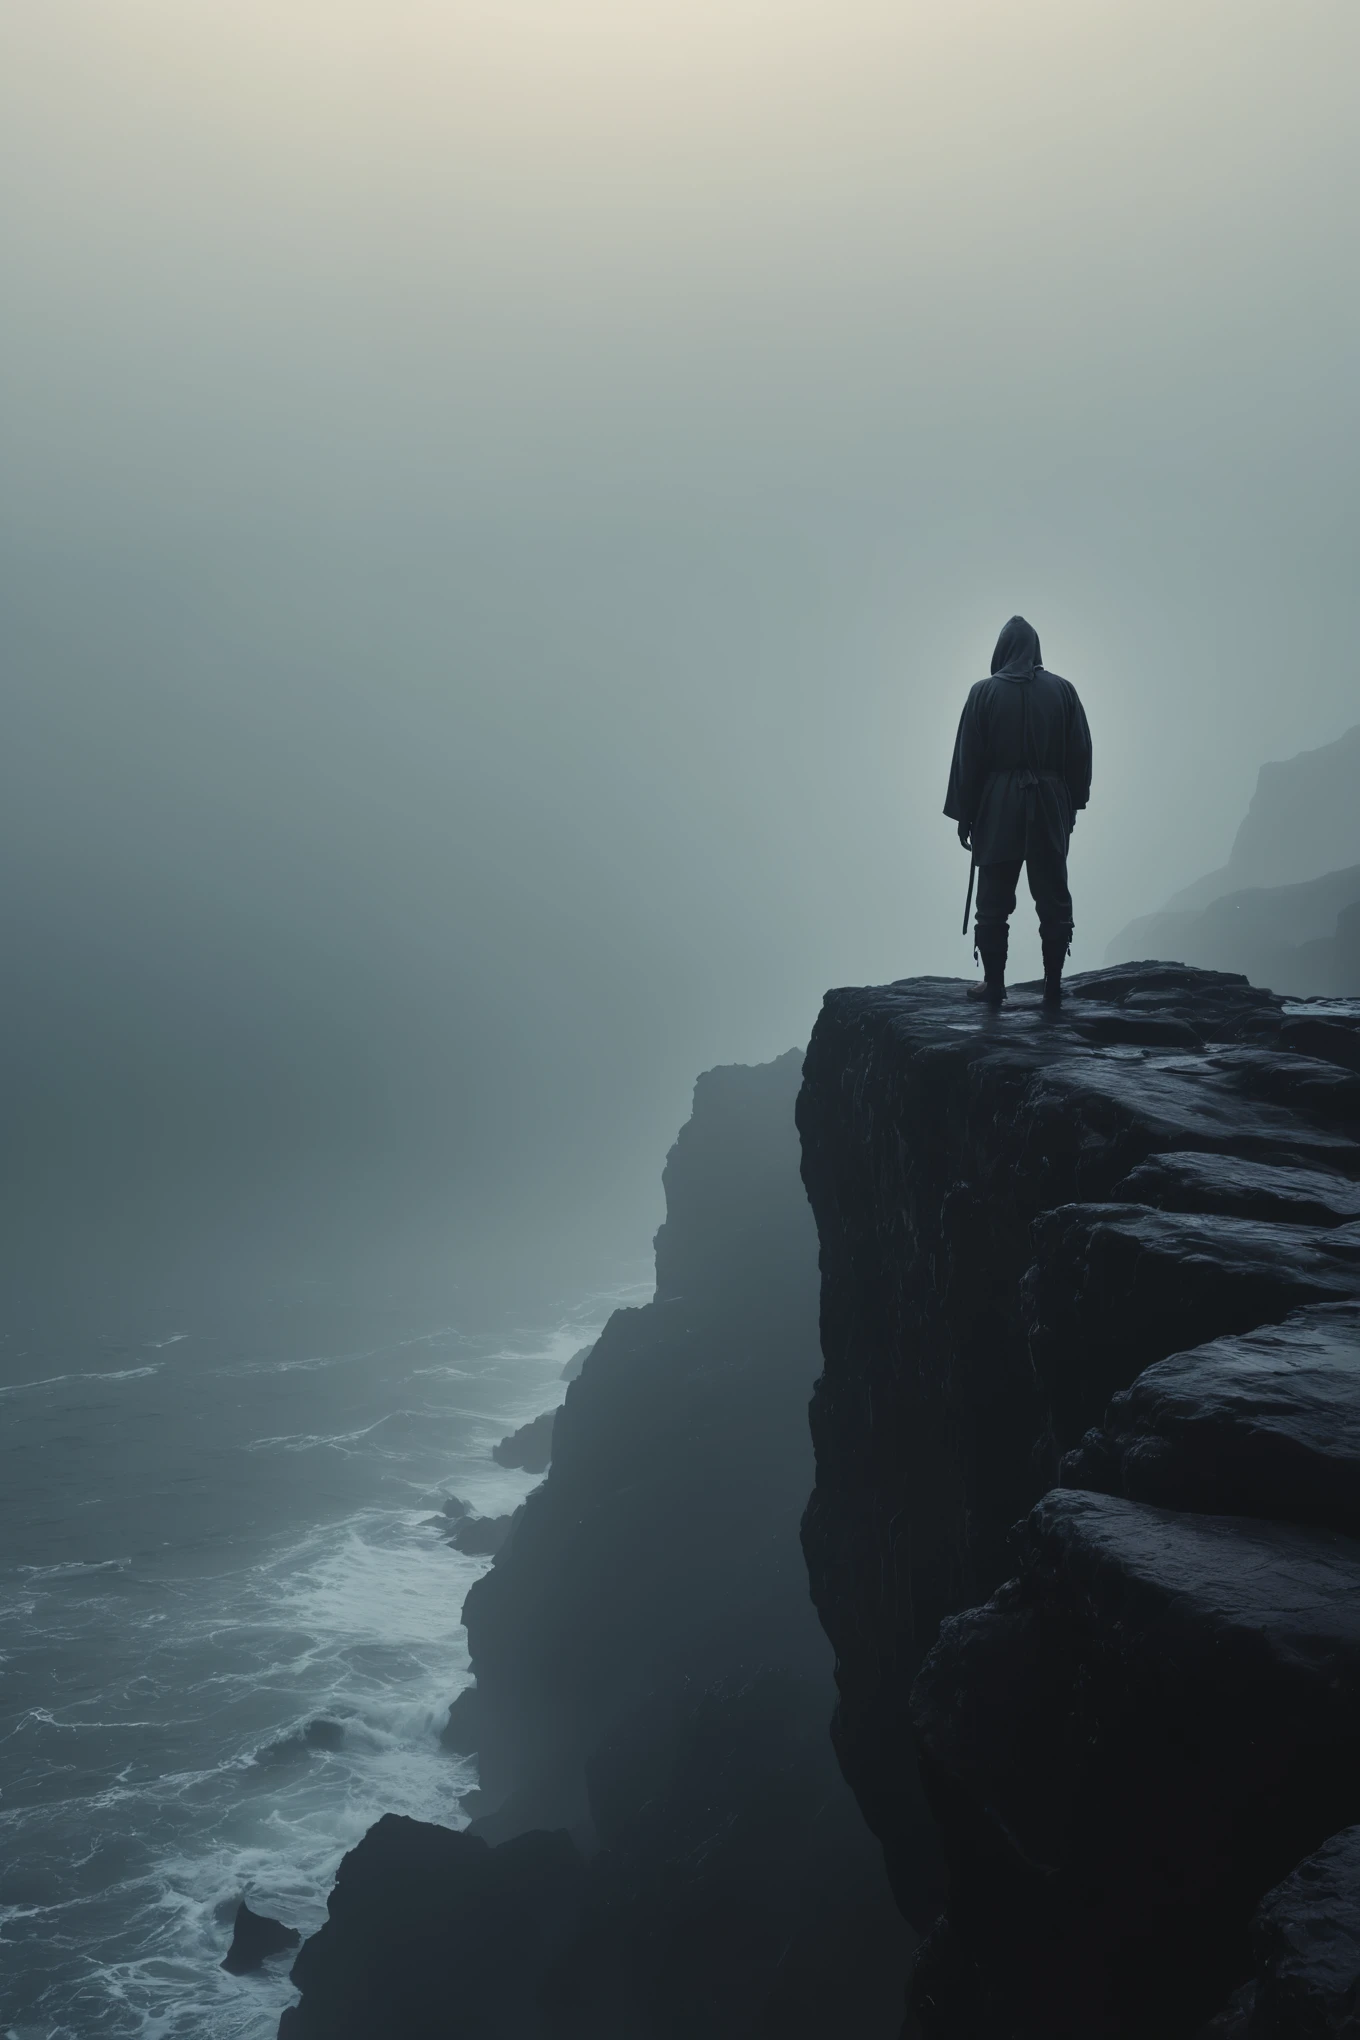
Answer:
(216, 1534)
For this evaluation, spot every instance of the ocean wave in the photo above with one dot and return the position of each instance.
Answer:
(98, 1374)
(71, 1568)
(175, 1774)
(313, 1441)
(312, 1362)
(415, 1422)
(48, 1719)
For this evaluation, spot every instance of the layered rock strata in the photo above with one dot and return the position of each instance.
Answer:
(1026, 1225)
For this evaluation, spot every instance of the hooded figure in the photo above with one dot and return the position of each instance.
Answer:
(1022, 768)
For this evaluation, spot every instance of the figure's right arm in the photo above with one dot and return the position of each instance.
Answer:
(967, 771)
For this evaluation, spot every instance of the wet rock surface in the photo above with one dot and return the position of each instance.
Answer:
(1227, 1184)
(1117, 1247)
(1128, 1745)
(1115, 1286)
(1265, 1424)
(1306, 1943)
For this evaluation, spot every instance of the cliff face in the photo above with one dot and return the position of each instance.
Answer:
(1285, 909)
(663, 1546)
(1026, 1224)
(652, 1680)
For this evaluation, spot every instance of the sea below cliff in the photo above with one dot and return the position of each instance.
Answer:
(229, 1630)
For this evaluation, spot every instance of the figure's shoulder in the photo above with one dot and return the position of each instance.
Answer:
(1063, 686)
(980, 691)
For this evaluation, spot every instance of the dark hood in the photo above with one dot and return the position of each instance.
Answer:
(1017, 651)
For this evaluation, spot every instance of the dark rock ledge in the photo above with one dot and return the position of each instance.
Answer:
(1100, 1273)
(1306, 1944)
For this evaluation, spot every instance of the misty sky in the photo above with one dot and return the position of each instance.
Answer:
(500, 505)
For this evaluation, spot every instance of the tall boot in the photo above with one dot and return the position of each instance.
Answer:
(1055, 947)
(992, 944)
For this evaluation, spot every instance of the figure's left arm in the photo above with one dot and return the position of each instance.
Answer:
(1078, 751)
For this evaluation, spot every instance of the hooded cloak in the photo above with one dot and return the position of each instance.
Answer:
(1022, 757)
(1017, 651)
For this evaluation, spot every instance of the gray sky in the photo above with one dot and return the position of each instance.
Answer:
(500, 505)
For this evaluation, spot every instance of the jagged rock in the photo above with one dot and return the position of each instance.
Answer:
(1127, 1025)
(1115, 1286)
(1265, 1424)
(480, 1536)
(1306, 1943)
(1243, 1189)
(1219, 1005)
(451, 1511)
(1125, 1747)
(429, 1931)
(1323, 1028)
(530, 1447)
(1234, 2021)
(572, 1370)
(255, 1937)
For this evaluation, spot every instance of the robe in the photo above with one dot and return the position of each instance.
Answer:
(1022, 757)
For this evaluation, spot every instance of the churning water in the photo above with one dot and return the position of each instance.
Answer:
(229, 1634)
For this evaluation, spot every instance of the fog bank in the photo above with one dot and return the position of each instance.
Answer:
(498, 512)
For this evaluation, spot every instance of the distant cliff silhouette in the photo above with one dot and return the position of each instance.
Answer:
(1285, 908)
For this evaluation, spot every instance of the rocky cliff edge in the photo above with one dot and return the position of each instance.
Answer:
(1084, 1526)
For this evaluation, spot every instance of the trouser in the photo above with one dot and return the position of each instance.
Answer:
(1046, 869)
